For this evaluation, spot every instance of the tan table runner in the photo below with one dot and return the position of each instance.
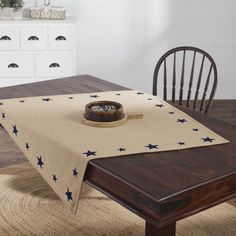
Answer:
(50, 133)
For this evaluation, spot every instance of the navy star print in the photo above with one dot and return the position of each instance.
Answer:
(181, 120)
(181, 143)
(40, 162)
(118, 94)
(3, 115)
(27, 146)
(46, 99)
(75, 172)
(54, 178)
(15, 131)
(207, 139)
(70, 97)
(94, 96)
(195, 130)
(69, 195)
(159, 105)
(152, 146)
(121, 149)
(139, 93)
(89, 153)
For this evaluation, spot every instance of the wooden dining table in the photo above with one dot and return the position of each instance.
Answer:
(162, 187)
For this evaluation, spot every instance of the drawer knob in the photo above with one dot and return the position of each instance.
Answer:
(60, 38)
(5, 37)
(33, 38)
(13, 65)
(53, 65)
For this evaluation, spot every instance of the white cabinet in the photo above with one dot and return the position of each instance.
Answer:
(16, 65)
(55, 64)
(62, 37)
(9, 37)
(35, 50)
(34, 38)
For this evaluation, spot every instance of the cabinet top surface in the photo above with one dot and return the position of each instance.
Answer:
(70, 19)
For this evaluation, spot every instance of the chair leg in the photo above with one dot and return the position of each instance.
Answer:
(168, 230)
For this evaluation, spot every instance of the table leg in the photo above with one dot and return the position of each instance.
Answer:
(168, 230)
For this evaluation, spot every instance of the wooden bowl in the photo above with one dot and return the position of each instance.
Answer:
(104, 111)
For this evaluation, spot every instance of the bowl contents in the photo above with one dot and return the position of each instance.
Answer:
(103, 108)
(104, 111)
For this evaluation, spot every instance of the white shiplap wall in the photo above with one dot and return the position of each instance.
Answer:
(121, 40)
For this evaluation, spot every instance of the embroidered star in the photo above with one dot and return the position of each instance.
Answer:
(171, 112)
(27, 146)
(89, 153)
(3, 115)
(139, 93)
(152, 146)
(15, 131)
(121, 149)
(181, 143)
(54, 178)
(207, 139)
(196, 129)
(69, 195)
(22, 101)
(1, 103)
(40, 162)
(46, 99)
(181, 120)
(75, 172)
(70, 97)
(94, 96)
(159, 105)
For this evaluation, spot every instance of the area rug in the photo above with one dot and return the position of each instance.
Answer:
(28, 206)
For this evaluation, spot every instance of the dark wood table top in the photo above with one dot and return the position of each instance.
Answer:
(160, 187)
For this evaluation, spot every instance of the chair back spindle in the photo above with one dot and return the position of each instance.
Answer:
(174, 78)
(182, 80)
(165, 80)
(191, 80)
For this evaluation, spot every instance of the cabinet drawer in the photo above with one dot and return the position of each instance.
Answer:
(62, 37)
(34, 37)
(9, 37)
(55, 64)
(16, 65)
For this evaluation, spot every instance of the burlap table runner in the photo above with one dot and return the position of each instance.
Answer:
(50, 133)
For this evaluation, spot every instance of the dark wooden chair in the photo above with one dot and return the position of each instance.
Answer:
(175, 80)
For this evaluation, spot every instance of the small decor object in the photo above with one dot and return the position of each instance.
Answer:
(11, 9)
(48, 12)
(107, 114)
(104, 114)
(58, 13)
(35, 12)
(104, 111)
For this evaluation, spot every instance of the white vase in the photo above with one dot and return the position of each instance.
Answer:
(6, 13)
(17, 14)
